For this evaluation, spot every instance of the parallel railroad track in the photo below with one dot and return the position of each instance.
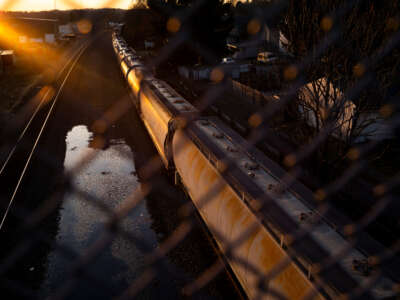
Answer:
(12, 171)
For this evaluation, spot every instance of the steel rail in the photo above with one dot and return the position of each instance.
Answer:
(39, 106)
(82, 50)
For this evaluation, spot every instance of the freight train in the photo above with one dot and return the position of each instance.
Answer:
(264, 222)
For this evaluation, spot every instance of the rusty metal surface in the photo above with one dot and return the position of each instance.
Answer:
(230, 219)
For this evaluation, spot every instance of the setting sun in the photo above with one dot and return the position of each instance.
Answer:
(36, 5)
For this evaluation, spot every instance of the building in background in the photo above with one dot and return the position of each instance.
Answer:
(29, 30)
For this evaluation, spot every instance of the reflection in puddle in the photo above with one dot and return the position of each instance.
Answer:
(110, 176)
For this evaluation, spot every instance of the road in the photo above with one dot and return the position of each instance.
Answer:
(95, 134)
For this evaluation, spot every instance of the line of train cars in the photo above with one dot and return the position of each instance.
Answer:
(238, 193)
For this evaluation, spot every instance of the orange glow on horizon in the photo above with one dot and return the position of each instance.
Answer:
(38, 5)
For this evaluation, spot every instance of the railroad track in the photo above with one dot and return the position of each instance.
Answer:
(19, 154)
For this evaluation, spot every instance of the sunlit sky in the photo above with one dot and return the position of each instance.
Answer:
(30, 5)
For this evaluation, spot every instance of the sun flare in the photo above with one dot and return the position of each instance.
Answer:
(37, 5)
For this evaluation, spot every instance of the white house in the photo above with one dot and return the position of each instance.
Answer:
(318, 99)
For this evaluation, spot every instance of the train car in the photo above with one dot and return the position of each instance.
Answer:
(124, 51)
(128, 55)
(118, 46)
(115, 43)
(129, 63)
(163, 110)
(254, 217)
(132, 68)
(135, 75)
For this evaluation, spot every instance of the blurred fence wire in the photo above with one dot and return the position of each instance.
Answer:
(325, 119)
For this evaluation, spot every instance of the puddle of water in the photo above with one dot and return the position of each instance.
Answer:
(110, 176)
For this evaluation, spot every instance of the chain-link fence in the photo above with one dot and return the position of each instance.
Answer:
(298, 194)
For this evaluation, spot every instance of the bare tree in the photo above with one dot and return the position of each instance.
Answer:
(355, 34)
(138, 4)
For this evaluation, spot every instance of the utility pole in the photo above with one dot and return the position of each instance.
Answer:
(55, 4)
